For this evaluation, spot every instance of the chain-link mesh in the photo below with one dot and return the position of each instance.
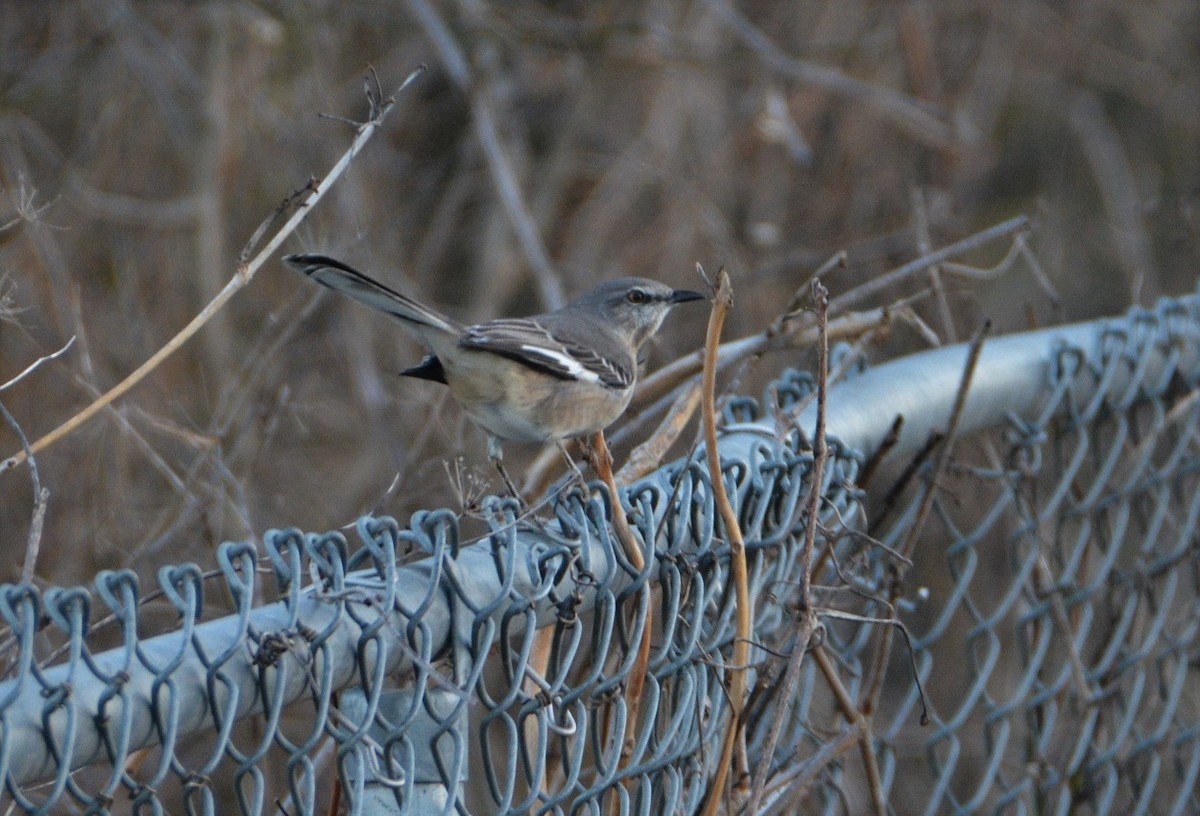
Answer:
(1049, 584)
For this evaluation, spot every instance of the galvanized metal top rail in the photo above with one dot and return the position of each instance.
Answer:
(360, 619)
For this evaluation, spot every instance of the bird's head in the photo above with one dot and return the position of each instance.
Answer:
(634, 306)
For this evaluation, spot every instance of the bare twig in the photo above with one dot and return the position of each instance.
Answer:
(876, 285)
(38, 363)
(1018, 251)
(900, 627)
(335, 800)
(857, 717)
(803, 294)
(943, 455)
(873, 684)
(87, 379)
(807, 621)
(820, 450)
(926, 332)
(794, 780)
(922, 120)
(880, 452)
(925, 246)
(499, 166)
(850, 361)
(41, 495)
(791, 332)
(659, 386)
(1116, 178)
(244, 274)
(647, 456)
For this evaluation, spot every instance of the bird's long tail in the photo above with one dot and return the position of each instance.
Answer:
(349, 281)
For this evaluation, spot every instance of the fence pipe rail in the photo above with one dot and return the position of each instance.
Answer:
(53, 717)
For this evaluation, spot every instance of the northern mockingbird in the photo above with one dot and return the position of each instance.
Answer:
(545, 378)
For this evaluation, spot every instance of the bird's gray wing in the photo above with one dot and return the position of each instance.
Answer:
(568, 348)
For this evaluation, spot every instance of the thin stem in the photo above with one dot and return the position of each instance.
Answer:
(244, 274)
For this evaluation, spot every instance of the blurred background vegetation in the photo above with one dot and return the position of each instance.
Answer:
(142, 143)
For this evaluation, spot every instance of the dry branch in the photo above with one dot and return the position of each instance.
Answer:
(499, 165)
(722, 302)
(637, 554)
(873, 684)
(807, 617)
(244, 274)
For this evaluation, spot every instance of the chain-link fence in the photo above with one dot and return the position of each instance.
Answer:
(1044, 562)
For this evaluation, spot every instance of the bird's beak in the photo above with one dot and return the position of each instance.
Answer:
(684, 295)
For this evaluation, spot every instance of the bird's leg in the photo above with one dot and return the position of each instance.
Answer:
(562, 448)
(496, 455)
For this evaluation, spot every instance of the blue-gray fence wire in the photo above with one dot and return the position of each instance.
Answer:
(1050, 586)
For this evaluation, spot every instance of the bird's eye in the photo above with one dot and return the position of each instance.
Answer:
(637, 297)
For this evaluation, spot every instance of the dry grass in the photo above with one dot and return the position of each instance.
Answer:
(142, 143)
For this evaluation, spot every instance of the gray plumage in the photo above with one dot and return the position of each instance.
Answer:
(543, 378)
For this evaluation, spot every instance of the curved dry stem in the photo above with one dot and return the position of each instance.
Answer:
(602, 464)
(722, 301)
